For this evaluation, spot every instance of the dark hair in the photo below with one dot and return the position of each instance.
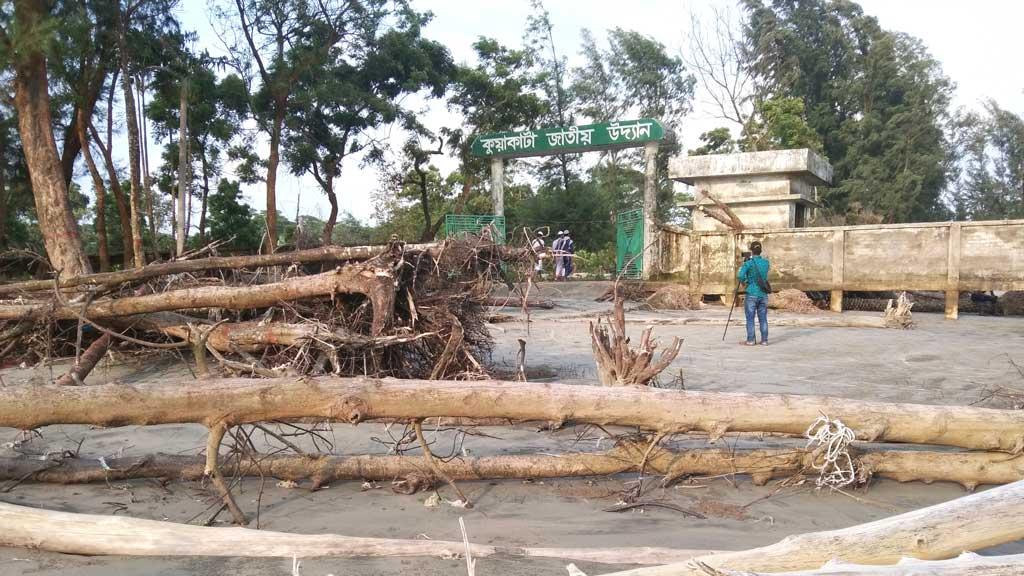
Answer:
(755, 248)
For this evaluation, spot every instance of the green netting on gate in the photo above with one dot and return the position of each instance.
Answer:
(477, 224)
(629, 243)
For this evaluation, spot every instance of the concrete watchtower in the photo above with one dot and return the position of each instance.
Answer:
(772, 189)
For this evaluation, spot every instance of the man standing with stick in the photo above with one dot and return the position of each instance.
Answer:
(754, 273)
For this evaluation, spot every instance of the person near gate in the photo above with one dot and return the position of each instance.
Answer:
(754, 273)
(569, 250)
(556, 252)
(538, 250)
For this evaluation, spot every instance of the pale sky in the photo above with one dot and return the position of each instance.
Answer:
(977, 43)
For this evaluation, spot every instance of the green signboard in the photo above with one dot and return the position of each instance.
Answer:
(548, 141)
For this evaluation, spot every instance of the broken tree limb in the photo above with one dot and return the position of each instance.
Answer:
(212, 471)
(322, 254)
(377, 284)
(238, 401)
(966, 564)
(937, 532)
(969, 469)
(727, 217)
(93, 535)
(618, 364)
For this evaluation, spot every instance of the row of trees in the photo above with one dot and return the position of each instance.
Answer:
(308, 87)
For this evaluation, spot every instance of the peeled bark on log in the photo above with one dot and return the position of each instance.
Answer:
(966, 564)
(969, 469)
(354, 400)
(323, 254)
(94, 535)
(376, 283)
(937, 532)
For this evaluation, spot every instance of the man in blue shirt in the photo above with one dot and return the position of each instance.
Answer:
(754, 273)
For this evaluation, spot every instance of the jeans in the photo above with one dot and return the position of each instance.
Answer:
(759, 305)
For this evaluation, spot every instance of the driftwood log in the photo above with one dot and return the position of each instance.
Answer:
(969, 469)
(238, 401)
(937, 532)
(966, 564)
(93, 535)
(377, 284)
(322, 254)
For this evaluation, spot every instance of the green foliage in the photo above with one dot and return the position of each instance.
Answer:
(779, 124)
(229, 216)
(582, 208)
(596, 262)
(876, 99)
(717, 141)
(990, 146)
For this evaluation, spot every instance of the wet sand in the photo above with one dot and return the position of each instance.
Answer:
(939, 362)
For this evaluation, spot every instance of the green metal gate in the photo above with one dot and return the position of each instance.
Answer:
(462, 224)
(629, 244)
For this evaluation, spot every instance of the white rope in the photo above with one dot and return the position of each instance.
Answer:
(831, 438)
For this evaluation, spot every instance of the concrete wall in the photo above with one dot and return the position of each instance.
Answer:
(945, 256)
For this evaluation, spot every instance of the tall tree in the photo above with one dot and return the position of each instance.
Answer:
(216, 111)
(990, 145)
(497, 93)
(335, 107)
(25, 42)
(634, 76)
(116, 190)
(877, 100)
(555, 86)
(273, 37)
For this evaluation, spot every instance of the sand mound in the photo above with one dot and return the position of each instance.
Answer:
(792, 300)
(673, 297)
(1012, 303)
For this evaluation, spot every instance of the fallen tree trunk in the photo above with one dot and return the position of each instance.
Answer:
(237, 401)
(937, 532)
(323, 254)
(377, 284)
(969, 469)
(966, 564)
(93, 535)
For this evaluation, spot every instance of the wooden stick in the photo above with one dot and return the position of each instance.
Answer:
(93, 535)
(212, 471)
(937, 532)
(243, 401)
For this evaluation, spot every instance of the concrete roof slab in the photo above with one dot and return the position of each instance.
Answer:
(800, 162)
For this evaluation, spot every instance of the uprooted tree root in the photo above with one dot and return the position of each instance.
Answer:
(618, 364)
